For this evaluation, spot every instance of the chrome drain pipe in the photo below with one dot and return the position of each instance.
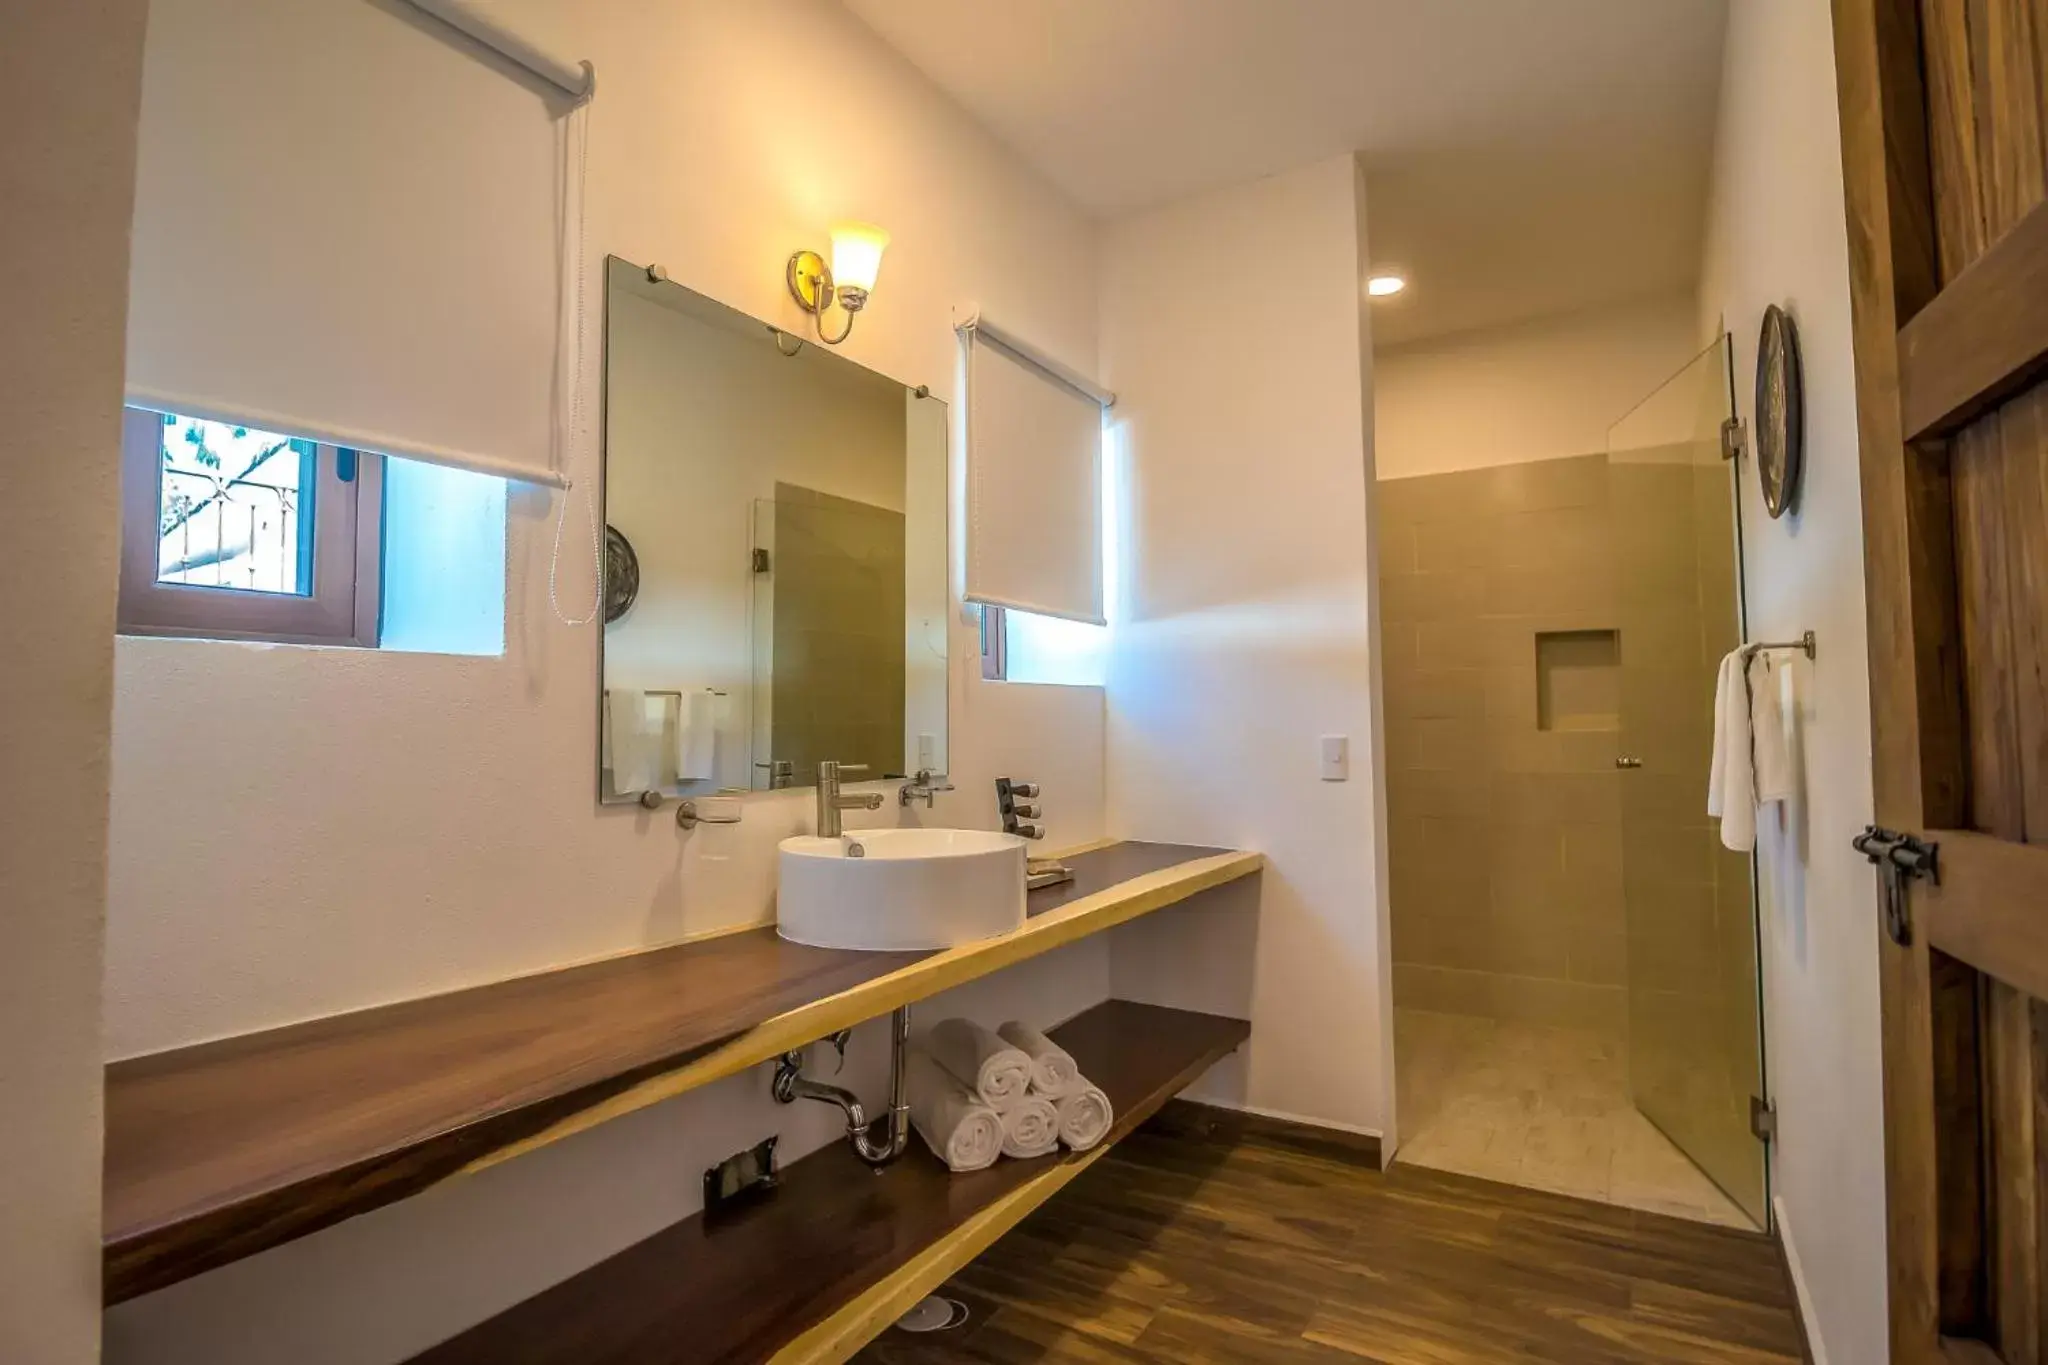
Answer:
(790, 1086)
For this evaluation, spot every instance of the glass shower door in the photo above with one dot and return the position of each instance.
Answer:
(1695, 1030)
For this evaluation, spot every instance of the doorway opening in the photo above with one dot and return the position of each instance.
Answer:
(1575, 980)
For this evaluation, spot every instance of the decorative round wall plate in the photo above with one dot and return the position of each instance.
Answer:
(621, 574)
(1780, 412)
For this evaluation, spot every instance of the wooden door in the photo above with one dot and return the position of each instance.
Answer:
(1944, 105)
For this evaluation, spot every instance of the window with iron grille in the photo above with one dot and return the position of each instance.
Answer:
(229, 532)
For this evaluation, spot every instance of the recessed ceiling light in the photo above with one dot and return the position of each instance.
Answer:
(1384, 286)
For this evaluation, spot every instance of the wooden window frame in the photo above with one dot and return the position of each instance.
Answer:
(344, 607)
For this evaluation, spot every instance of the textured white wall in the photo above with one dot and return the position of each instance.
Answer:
(301, 831)
(1244, 424)
(1541, 390)
(70, 79)
(1776, 234)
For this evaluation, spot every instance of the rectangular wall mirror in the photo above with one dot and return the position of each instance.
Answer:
(775, 547)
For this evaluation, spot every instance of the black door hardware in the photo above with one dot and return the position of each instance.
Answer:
(1899, 858)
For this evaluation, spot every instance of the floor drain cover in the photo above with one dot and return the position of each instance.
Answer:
(933, 1314)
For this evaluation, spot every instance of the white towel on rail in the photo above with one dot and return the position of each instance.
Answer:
(961, 1131)
(1053, 1072)
(697, 735)
(982, 1061)
(1770, 685)
(635, 748)
(1751, 764)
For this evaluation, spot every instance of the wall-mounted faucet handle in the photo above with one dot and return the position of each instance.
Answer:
(1027, 790)
(1025, 810)
(925, 787)
(1029, 831)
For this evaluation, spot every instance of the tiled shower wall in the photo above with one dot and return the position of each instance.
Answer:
(1518, 848)
(837, 689)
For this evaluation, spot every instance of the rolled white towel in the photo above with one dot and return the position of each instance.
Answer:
(983, 1062)
(961, 1131)
(1053, 1072)
(1084, 1116)
(1031, 1127)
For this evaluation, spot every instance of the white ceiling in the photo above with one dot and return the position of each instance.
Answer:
(1525, 157)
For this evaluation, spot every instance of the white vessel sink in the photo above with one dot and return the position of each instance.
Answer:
(900, 889)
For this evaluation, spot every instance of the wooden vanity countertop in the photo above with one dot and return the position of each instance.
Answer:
(221, 1150)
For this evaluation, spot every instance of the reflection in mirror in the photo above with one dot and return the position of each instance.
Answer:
(776, 555)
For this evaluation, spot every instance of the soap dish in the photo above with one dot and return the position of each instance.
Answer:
(1045, 872)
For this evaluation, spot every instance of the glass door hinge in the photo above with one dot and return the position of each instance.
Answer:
(1733, 438)
(1763, 1119)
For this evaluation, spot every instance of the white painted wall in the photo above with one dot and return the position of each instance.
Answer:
(70, 79)
(1540, 390)
(300, 831)
(1776, 234)
(1244, 424)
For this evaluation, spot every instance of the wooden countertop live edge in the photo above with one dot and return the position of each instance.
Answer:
(218, 1151)
(811, 1274)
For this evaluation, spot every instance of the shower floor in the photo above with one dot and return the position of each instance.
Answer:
(1545, 1108)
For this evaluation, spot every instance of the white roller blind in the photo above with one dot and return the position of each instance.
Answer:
(348, 226)
(1034, 485)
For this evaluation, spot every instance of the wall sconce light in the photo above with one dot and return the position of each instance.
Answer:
(856, 260)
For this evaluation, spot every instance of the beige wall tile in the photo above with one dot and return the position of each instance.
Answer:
(1454, 541)
(1596, 953)
(1438, 694)
(1661, 636)
(1447, 644)
(1443, 989)
(1666, 855)
(1671, 939)
(1443, 794)
(1436, 744)
(1544, 589)
(1547, 484)
(1556, 798)
(1560, 1004)
(1445, 595)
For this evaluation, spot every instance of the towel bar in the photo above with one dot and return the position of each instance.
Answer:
(1804, 644)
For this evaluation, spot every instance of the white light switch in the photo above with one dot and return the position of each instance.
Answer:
(1336, 752)
(927, 745)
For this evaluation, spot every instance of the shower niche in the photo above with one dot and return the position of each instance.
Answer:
(1578, 680)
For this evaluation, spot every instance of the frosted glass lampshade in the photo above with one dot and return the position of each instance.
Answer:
(857, 255)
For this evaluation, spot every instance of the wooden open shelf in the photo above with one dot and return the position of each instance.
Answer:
(222, 1150)
(840, 1251)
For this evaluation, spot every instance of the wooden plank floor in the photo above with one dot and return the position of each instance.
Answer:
(1250, 1251)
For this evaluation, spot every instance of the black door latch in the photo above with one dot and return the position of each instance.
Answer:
(1898, 858)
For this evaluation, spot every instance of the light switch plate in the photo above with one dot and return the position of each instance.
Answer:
(1336, 756)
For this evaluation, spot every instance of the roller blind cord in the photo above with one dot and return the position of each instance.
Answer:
(576, 139)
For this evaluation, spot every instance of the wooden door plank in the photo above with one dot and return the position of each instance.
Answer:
(1964, 1271)
(2010, 79)
(1991, 908)
(1915, 254)
(2008, 1085)
(1877, 61)
(1984, 337)
(1952, 134)
(1983, 589)
(2037, 1087)
(2023, 437)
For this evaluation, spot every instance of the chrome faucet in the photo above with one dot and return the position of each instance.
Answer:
(831, 800)
(925, 787)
